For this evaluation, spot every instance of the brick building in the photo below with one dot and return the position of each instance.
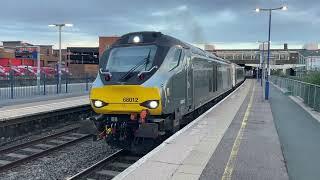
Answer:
(48, 56)
(64, 55)
(105, 42)
(83, 60)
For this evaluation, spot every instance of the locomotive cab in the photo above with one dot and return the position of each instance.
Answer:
(124, 70)
(125, 92)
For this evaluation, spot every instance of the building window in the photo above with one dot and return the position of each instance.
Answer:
(238, 57)
(229, 57)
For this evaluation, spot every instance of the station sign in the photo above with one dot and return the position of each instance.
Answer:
(26, 52)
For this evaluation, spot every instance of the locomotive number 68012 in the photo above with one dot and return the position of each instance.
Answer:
(130, 99)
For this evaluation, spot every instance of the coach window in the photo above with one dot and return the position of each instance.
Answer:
(175, 59)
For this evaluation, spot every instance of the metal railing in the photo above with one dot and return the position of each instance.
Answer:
(13, 87)
(310, 93)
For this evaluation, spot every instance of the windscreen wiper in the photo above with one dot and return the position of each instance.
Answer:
(144, 61)
(147, 60)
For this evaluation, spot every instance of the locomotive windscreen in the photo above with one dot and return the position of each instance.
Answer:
(123, 59)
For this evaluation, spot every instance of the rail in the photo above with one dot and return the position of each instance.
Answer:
(108, 167)
(310, 93)
(16, 155)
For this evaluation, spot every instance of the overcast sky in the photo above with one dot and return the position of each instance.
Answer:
(225, 23)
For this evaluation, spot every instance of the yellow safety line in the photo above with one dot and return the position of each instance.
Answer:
(227, 175)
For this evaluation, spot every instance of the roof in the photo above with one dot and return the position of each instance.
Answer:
(83, 49)
(253, 50)
(115, 36)
(306, 53)
(11, 41)
(157, 38)
(44, 45)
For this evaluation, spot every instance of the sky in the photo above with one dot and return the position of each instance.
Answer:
(225, 23)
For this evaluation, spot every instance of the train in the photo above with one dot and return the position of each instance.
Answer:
(149, 85)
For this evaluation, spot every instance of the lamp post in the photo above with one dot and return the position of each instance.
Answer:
(262, 60)
(60, 54)
(269, 34)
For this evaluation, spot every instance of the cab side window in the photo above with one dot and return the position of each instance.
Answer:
(175, 59)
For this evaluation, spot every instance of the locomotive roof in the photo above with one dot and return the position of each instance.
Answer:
(153, 37)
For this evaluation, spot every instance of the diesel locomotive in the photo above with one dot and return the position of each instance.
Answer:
(149, 83)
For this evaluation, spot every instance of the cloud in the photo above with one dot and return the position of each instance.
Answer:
(182, 8)
(171, 11)
(189, 20)
(178, 20)
(298, 15)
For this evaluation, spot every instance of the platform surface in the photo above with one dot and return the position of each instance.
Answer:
(190, 153)
(38, 98)
(22, 109)
(250, 148)
(299, 134)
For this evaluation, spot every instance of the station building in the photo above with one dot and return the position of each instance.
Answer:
(291, 61)
(83, 60)
(9, 57)
(310, 56)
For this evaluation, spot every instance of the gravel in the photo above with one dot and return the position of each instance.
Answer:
(63, 163)
(7, 142)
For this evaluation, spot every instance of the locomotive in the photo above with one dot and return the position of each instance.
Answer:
(149, 84)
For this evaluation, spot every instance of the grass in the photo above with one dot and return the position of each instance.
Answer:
(311, 77)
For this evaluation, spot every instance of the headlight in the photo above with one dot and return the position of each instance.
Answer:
(153, 104)
(98, 103)
(136, 39)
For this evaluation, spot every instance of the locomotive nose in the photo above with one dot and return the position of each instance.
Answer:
(125, 99)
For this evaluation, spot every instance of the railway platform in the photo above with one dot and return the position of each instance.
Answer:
(241, 137)
(24, 108)
(21, 116)
(35, 99)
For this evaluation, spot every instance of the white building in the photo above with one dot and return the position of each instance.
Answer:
(311, 57)
(312, 63)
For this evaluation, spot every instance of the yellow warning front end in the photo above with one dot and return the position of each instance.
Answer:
(125, 99)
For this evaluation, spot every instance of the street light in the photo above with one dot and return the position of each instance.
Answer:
(262, 60)
(60, 55)
(268, 61)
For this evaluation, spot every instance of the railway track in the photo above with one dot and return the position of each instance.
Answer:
(109, 167)
(16, 155)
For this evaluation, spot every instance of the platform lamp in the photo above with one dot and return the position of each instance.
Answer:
(60, 54)
(262, 59)
(267, 88)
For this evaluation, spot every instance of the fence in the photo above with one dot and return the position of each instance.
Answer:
(12, 87)
(310, 93)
